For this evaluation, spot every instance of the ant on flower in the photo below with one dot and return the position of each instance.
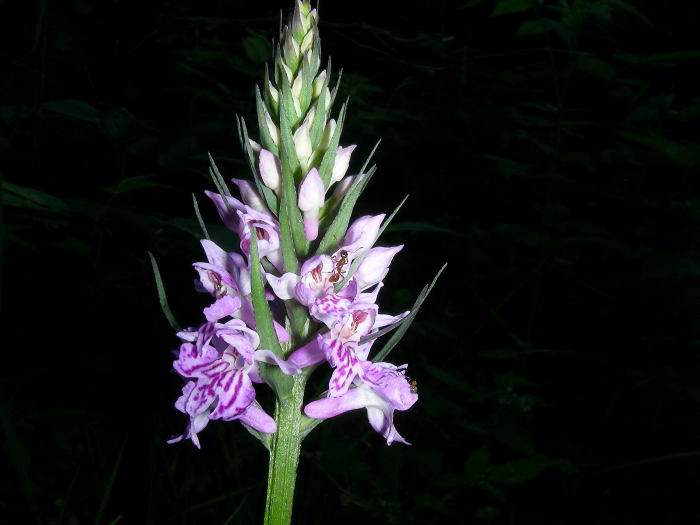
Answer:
(339, 262)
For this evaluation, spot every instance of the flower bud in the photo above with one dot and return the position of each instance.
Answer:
(272, 129)
(306, 17)
(363, 232)
(342, 161)
(272, 93)
(297, 26)
(309, 119)
(375, 266)
(249, 195)
(302, 144)
(311, 197)
(296, 87)
(291, 50)
(327, 135)
(270, 170)
(318, 84)
(254, 145)
(288, 72)
(307, 42)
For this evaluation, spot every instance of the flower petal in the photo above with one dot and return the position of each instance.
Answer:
(195, 425)
(222, 307)
(257, 418)
(283, 286)
(249, 195)
(269, 357)
(309, 354)
(235, 392)
(375, 266)
(270, 169)
(383, 423)
(332, 406)
(227, 213)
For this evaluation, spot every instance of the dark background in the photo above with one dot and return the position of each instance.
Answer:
(551, 152)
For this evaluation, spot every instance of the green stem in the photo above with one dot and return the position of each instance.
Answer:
(284, 453)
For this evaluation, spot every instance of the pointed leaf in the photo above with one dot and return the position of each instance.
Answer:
(307, 80)
(269, 195)
(287, 105)
(326, 169)
(162, 297)
(320, 117)
(387, 221)
(219, 181)
(265, 137)
(199, 217)
(290, 167)
(335, 89)
(263, 317)
(398, 335)
(336, 231)
(356, 263)
(369, 157)
(271, 105)
(289, 255)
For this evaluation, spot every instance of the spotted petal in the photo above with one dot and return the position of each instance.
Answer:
(235, 392)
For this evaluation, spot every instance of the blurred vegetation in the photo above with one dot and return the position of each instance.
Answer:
(550, 149)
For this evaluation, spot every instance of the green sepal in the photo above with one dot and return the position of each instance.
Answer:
(199, 217)
(290, 167)
(320, 117)
(218, 180)
(307, 85)
(267, 194)
(369, 157)
(265, 137)
(406, 322)
(388, 220)
(339, 226)
(316, 51)
(307, 425)
(263, 317)
(162, 299)
(287, 105)
(335, 88)
(300, 321)
(271, 105)
(326, 169)
(356, 263)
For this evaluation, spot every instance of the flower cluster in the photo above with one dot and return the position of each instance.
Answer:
(298, 203)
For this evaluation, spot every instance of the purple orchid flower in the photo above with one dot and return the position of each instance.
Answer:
(222, 359)
(382, 389)
(314, 285)
(219, 359)
(227, 276)
(238, 216)
(341, 345)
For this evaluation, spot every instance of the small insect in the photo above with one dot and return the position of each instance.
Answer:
(341, 261)
(413, 384)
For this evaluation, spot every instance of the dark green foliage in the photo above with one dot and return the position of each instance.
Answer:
(551, 152)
